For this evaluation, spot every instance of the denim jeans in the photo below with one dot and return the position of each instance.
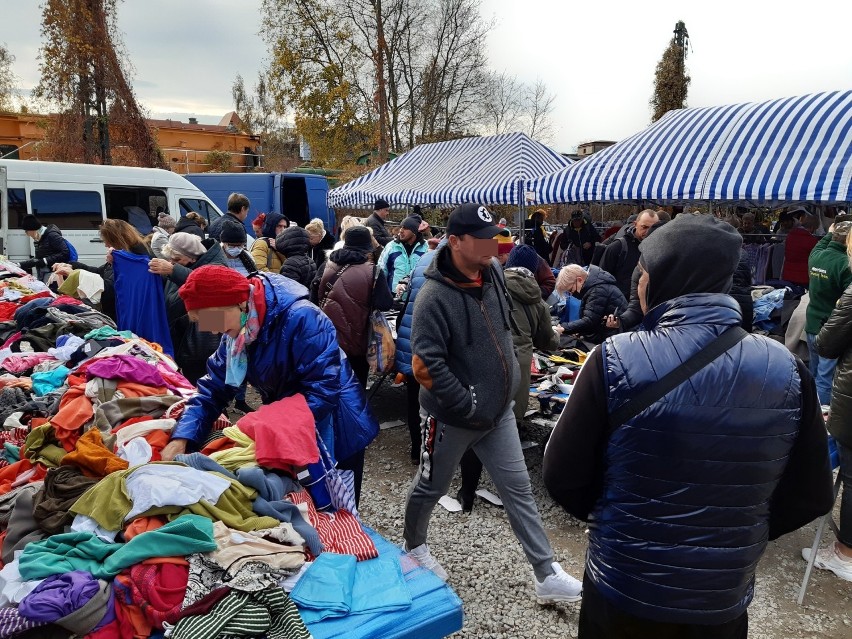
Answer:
(844, 529)
(822, 369)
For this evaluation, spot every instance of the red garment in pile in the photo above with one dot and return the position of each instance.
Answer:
(339, 532)
(284, 433)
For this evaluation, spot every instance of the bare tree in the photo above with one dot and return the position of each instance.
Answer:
(8, 80)
(503, 105)
(539, 109)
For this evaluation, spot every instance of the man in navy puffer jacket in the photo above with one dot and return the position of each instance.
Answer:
(683, 498)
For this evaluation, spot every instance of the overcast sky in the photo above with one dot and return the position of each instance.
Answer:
(597, 57)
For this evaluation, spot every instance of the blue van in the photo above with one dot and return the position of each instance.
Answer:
(301, 197)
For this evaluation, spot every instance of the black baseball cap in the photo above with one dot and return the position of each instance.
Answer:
(474, 220)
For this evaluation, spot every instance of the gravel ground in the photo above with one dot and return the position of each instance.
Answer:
(491, 576)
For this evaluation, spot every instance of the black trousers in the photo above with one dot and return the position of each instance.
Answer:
(412, 390)
(599, 619)
(360, 367)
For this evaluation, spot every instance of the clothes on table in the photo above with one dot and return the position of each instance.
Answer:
(83, 551)
(283, 432)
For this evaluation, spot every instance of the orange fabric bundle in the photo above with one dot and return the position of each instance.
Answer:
(143, 524)
(75, 409)
(92, 457)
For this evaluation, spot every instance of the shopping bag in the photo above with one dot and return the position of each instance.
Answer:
(381, 348)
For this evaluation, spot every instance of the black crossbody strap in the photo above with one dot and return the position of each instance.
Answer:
(678, 376)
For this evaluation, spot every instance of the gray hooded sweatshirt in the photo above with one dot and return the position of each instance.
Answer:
(462, 351)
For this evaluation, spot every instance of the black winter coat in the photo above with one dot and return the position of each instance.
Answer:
(185, 225)
(50, 249)
(600, 297)
(293, 244)
(620, 258)
(835, 342)
(586, 234)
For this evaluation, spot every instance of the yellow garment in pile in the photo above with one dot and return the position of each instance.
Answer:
(240, 456)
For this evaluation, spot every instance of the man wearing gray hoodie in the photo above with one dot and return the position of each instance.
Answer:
(464, 359)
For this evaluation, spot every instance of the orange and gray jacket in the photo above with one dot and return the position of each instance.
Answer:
(462, 350)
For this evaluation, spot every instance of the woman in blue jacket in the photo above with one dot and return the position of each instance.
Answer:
(282, 344)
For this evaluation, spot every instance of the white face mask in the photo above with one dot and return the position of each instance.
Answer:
(234, 251)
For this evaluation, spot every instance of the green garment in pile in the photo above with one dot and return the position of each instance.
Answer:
(108, 503)
(84, 551)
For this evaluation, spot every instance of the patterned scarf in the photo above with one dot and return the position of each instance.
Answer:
(236, 365)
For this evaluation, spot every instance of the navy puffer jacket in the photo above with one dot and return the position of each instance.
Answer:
(717, 440)
(295, 352)
(403, 328)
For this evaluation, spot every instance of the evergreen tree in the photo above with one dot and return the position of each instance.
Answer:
(671, 81)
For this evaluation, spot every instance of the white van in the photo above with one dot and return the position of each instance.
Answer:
(78, 197)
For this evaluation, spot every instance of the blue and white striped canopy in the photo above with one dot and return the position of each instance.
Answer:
(792, 149)
(489, 170)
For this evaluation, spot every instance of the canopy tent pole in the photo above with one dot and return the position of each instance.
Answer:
(522, 209)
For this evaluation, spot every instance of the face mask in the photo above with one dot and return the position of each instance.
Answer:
(234, 251)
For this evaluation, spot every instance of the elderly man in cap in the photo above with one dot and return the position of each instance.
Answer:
(376, 222)
(464, 359)
(400, 256)
(687, 445)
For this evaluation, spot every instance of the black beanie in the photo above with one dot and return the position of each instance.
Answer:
(30, 223)
(411, 224)
(669, 255)
(232, 233)
(358, 238)
(380, 204)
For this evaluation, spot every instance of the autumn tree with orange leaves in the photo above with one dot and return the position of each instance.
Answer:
(83, 76)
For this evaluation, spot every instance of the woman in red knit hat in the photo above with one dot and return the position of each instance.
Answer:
(282, 344)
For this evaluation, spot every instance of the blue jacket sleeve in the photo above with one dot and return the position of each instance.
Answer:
(212, 398)
(315, 356)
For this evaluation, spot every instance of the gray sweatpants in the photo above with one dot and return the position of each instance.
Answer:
(499, 449)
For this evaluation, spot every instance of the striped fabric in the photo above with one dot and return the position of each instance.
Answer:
(340, 531)
(267, 613)
(483, 170)
(791, 149)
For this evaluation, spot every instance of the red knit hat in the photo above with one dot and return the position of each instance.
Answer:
(211, 286)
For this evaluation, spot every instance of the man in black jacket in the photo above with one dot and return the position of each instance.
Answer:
(622, 256)
(50, 246)
(582, 234)
(464, 358)
(238, 210)
(683, 496)
(376, 222)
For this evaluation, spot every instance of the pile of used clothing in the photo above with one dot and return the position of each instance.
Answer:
(100, 539)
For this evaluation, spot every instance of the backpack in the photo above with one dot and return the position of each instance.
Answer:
(72, 252)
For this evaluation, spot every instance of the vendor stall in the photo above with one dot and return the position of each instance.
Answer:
(101, 539)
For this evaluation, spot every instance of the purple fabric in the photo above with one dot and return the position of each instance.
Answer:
(127, 368)
(12, 623)
(58, 596)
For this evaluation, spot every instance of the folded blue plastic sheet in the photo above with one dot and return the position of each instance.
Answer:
(435, 611)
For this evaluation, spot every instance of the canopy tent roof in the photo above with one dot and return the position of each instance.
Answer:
(792, 149)
(479, 170)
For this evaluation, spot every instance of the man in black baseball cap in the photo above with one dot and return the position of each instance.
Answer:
(464, 359)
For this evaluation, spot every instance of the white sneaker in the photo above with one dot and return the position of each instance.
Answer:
(425, 559)
(829, 559)
(560, 587)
